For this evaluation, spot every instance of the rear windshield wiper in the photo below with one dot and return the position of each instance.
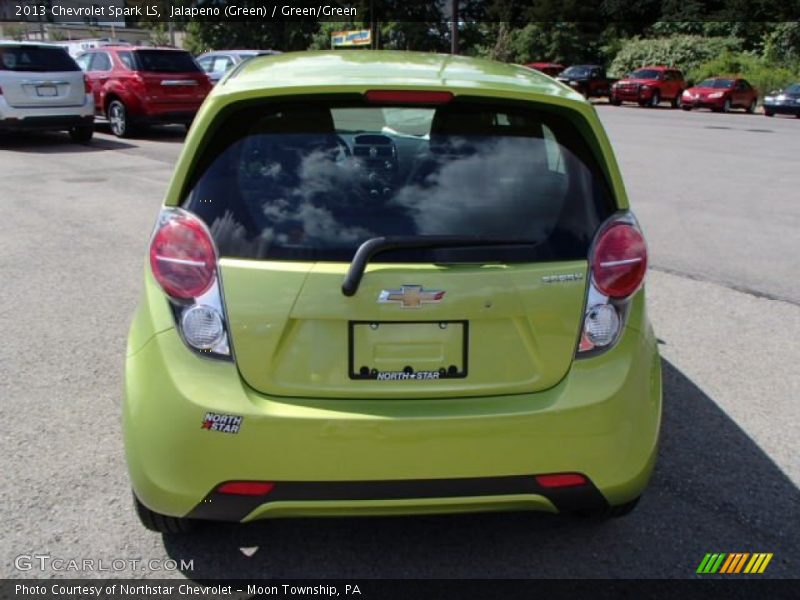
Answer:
(378, 245)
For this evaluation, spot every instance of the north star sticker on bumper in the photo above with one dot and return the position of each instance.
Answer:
(222, 423)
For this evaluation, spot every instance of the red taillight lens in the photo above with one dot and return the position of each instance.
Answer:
(182, 257)
(619, 261)
(87, 87)
(557, 480)
(408, 97)
(246, 488)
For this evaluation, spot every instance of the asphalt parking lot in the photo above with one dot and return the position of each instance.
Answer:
(717, 196)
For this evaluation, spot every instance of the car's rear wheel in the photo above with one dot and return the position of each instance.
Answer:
(81, 134)
(615, 101)
(726, 106)
(677, 100)
(117, 115)
(656, 99)
(768, 113)
(751, 108)
(686, 107)
(162, 523)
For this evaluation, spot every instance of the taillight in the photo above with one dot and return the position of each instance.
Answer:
(559, 480)
(619, 260)
(183, 261)
(408, 97)
(87, 86)
(618, 263)
(246, 488)
(182, 257)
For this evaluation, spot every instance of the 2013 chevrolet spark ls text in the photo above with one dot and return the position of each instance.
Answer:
(391, 283)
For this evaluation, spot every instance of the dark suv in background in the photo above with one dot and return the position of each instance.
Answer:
(589, 80)
(141, 85)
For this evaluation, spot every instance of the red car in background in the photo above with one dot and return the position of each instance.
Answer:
(649, 86)
(548, 68)
(141, 85)
(721, 94)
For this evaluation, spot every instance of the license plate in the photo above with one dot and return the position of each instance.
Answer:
(46, 91)
(407, 350)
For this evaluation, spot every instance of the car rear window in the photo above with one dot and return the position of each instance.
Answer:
(311, 181)
(35, 58)
(646, 74)
(165, 61)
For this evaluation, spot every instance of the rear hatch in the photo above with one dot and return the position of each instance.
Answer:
(171, 76)
(34, 76)
(497, 309)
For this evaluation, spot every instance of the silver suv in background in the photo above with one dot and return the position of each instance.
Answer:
(217, 63)
(41, 87)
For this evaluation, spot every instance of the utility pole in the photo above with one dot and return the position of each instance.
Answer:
(454, 29)
(373, 42)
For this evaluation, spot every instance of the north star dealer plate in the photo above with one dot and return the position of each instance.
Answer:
(407, 350)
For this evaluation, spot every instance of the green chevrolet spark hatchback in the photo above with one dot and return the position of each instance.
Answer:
(391, 283)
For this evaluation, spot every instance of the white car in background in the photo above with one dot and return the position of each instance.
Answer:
(42, 87)
(219, 62)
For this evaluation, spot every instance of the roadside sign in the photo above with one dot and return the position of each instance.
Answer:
(359, 37)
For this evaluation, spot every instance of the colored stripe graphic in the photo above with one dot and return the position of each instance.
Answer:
(734, 562)
(741, 562)
(711, 563)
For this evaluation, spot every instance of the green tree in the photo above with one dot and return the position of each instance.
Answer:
(782, 44)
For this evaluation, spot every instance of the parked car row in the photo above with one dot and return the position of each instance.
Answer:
(654, 85)
(43, 87)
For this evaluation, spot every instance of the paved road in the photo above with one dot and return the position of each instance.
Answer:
(721, 217)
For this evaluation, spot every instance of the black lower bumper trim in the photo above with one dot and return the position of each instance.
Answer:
(34, 123)
(228, 507)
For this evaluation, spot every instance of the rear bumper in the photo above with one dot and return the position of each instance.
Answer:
(167, 113)
(783, 109)
(53, 118)
(358, 457)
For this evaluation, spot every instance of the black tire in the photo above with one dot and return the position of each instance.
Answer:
(677, 101)
(655, 100)
(162, 523)
(768, 113)
(751, 107)
(726, 106)
(117, 115)
(615, 101)
(686, 107)
(81, 134)
(609, 512)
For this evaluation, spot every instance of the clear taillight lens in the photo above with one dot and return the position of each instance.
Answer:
(618, 263)
(202, 326)
(183, 260)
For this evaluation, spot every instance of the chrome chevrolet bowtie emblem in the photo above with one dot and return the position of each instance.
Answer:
(410, 296)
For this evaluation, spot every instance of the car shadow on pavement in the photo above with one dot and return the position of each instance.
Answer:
(53, 142)
(714, 490)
